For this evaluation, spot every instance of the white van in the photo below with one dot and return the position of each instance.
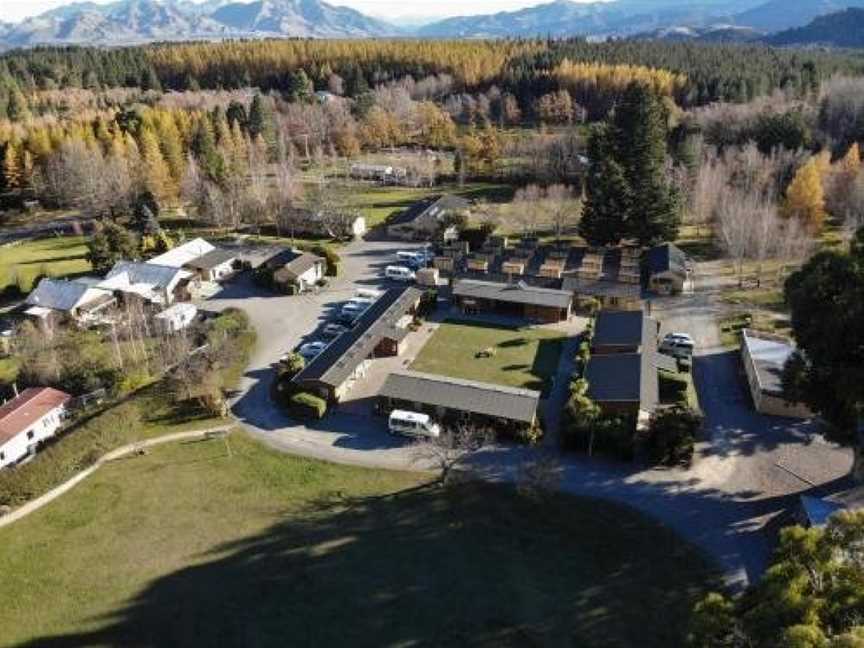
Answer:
(413, 424)
(399, 273)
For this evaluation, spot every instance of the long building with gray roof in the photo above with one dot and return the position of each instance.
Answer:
(377, 333)
(454, 398)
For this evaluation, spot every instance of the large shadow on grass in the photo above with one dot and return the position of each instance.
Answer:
(469, 565)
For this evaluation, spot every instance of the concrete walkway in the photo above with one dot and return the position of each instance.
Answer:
(36, 504)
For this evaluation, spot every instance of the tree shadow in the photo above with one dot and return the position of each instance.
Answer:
(472, 564)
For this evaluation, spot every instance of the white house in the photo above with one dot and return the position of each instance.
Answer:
(179, 256)
(29, 419)
(155, 284)
(177, 317)
(58, 298)
(303, 272)
(204, 259)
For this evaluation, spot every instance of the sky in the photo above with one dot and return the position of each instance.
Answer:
(15, 10)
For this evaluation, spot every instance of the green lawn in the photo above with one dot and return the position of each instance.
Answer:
(188, 546)
(378, 203)
(56, 256)
(523, 357)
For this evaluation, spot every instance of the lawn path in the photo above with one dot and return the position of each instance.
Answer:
(36, 504)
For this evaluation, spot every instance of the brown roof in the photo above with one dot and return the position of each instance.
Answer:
(28, 407)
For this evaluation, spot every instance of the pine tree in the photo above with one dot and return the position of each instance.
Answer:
(261, 122)
(203, 147)
(805, 196)
(639, 131)
(145, 215)
(607, 196)
(171, 145)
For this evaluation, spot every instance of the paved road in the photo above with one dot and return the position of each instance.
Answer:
(748, 470)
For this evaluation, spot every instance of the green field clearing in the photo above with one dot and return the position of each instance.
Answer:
(190, 546)
(378, 203)
(524, 357)
(56, 256)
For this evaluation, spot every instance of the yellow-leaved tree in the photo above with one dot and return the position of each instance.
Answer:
(805, 196)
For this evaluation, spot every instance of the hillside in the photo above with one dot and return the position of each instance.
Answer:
(841, 29)
(777, 15)
(136, 21)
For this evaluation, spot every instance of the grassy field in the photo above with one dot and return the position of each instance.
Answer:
(55, 256)
(190, 546)
(378, 203)
(523, 357)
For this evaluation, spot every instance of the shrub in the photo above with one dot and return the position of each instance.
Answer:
(263, 276)
(291, 365)
(333, 259)
(672, 435)
(306, 405)
(673, 387)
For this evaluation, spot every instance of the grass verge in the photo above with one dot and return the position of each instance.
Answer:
(191, 546)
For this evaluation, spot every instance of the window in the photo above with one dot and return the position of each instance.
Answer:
(2, 456)
(29, 434)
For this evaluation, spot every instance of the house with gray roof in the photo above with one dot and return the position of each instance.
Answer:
(624, 383)
(764, 355)
(300, 270)
(148, 282)
(422, 221)
(516, 299)
(666, 265)
(378, 332)
(622, 370)
(453, 399)
(57, 299)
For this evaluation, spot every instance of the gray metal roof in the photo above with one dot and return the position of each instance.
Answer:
(435, 207)
(666, 257)
(146, 273)
(338, 361)
(519, 293)
(499, 401)
(623, 328)
(300, 264)
(62, 295)
(623, 377)
(769, 354)
(212, 259)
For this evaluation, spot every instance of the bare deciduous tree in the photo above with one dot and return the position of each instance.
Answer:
(446, 453)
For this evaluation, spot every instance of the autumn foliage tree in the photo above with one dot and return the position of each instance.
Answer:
(805, 197)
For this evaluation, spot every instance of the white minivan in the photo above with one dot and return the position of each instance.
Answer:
(399, 273)
(413, 424)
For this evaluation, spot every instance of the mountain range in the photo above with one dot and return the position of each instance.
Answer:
(138, 21)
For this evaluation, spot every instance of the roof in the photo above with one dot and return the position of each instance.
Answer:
(463, 395)
(62, 295)
(518, 293)
(28, 407)
(623, 377)
(342, 356)
(601, 287)
(127, 274)
(434, 207)
(620, 328)
(212, 259)
(183, 254)
(666, 257)
(769, 354)
(300, 264)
